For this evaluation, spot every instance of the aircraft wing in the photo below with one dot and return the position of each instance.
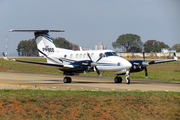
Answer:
(156, 62)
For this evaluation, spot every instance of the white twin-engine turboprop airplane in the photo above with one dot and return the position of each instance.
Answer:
(74, 62)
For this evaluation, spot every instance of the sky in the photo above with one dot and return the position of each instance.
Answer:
(89, 22)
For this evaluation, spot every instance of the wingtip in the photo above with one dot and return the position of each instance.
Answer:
(10, 31)
(4, 56)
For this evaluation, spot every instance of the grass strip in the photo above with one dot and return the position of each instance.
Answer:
(44, 104)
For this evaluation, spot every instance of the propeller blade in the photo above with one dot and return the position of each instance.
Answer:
(89, 56)
(99, 58)
(95, 63)
(146, 73)
(97, 71)
(143, 56)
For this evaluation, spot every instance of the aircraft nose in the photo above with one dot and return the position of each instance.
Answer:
(128, 65)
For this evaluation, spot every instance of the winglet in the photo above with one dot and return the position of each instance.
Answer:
(175, 57)
(4, 56)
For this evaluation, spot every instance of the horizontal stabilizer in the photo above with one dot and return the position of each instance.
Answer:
(41, 63)
(47, 64)
(36, 31)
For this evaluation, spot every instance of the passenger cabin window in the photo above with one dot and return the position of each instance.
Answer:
(107, 54)
(76, 55)
(92, 55)
(71, 56)
(84, 56)
(80, 55)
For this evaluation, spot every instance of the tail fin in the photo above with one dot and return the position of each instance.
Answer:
(43, 40)
(44, 43)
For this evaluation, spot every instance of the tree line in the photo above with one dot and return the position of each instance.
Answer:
(132, 43)
(29, 47)
(126, 42)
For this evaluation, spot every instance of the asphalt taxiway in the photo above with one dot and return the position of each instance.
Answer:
(20, 80)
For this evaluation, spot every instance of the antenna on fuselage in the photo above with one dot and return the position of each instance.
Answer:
(80, 48)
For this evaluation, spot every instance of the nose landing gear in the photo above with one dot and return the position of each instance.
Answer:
(128, 80)
(127, 77)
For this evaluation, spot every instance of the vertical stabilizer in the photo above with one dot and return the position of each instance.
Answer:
(44, 43)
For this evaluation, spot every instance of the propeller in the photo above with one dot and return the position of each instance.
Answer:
(94, 64)
(145, 64)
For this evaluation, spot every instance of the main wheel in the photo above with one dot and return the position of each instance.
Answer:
(116, 80)
(128, 80)
(69, 79)
(120, 79)
(65, 79)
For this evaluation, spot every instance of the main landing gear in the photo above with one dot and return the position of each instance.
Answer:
(118, 79)
(67, 80)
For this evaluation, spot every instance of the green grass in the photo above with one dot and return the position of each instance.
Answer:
(166, 71)
(44, 104)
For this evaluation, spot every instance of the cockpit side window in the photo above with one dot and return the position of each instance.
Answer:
(111, 54)
(108, 54)
(114, 53)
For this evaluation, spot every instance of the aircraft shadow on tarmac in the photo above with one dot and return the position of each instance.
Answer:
(87, 82)
(61, 82)
(51, 80)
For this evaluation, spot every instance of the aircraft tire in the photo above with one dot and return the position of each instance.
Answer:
(69, 79)
(116, 80)
(128, 80)
(120, 79)
(65, 79)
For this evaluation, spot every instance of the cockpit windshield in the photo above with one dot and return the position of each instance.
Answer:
(107, 54)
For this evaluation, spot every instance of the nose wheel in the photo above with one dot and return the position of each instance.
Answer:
(128, 80)
(67, 80)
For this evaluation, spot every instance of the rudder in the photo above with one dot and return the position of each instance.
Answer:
(44, 43)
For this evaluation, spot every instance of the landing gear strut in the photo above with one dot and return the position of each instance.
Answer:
(67, 80)
(127, 77)
(118, 79)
